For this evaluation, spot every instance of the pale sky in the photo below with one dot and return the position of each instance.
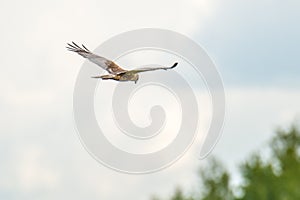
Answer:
(253, 43)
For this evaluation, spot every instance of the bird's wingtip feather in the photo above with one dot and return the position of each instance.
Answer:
(174, 65)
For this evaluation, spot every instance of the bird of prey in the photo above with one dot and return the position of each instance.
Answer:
(115, 72)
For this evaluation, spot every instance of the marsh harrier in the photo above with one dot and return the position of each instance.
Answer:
(115, 72)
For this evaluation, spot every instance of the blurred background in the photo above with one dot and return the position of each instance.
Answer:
(255, 47)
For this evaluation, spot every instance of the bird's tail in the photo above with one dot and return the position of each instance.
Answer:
(105, 77)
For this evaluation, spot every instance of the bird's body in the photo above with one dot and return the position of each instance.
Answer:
(115, 72)
(126, 76)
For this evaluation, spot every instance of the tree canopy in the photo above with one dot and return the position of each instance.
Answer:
(274, 178)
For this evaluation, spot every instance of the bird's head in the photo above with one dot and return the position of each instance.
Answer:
(135, 78)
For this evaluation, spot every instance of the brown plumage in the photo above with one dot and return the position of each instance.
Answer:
(115, 72)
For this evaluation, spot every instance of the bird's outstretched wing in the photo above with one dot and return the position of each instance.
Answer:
(104, 63)
(146, 69)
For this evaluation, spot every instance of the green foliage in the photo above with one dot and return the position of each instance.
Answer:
(215, 181)
(259, 180)
(178, 195)
(277, 178)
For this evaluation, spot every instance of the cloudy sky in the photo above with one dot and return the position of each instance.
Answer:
(253, 43)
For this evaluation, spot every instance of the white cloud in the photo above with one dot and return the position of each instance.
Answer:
(34, 171)
(37, 77)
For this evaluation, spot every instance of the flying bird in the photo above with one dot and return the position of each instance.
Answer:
(115, 71)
